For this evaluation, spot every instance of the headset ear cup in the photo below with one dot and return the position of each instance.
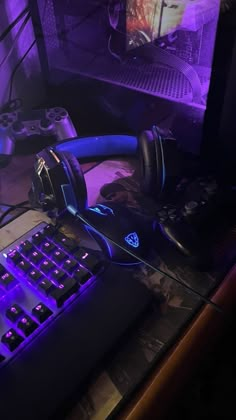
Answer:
(151, 165)
(77, 179)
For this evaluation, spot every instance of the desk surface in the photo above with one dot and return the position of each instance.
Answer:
(163, 342)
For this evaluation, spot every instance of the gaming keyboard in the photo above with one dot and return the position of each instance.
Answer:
(62, 307)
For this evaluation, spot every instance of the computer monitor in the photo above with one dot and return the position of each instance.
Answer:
(141, 61)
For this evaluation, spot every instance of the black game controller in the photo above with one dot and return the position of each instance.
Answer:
(54, 124)
(195, 215)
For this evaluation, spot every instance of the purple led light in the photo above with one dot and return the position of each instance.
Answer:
(85, 256)
(61, 286)
(38, 307)
(8, 334)
(24, 321)
(13, 309)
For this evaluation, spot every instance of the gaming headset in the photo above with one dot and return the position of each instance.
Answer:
(59, 165)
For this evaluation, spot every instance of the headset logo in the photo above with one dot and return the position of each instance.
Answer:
(102, 210)
(132, 239)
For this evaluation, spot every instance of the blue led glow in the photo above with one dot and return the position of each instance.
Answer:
(132, 239)
(102, 210)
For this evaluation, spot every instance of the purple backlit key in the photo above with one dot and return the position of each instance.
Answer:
(26, 248)
(67, 243)
(27, 325)
(24, 266)
(58, 275)
(47, 247)
(14, 312)
(70, 265)
(64, 291)
(49, 231)
(41, 312)
(81, 275)
(11, 339)
(59, 256)
(36, 257)
(37, 238)
(7, 281)
(46, 286)
(88, 260)
(34, 276)
(46, 266)
(13, 257)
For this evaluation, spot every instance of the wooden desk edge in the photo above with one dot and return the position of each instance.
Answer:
(164, 384)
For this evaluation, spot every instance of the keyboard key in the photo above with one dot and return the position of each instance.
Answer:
(81, 275)
(34, 276)
(7, 281)
(88, 260)
(67, 243)
(58, 275)
(47, 247)
(37, 238)
(59, 256)
(11, 339)
(27, 325)
(41, 312)
(46, 286)
(36, 257)
(46, 266)
(14, 312)
(26, 248)
(49, 231)
(70, 265)
(13, 257)
(24, 266)
(64, 291)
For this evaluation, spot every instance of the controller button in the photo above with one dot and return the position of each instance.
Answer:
(57, 110)
(45, 123)
(58, 118)
(63, 114)
(18, 126)
(51, 115)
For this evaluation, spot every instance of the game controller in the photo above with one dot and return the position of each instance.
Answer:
(53, 123)
(195, 215)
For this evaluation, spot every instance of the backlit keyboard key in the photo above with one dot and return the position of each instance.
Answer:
(7, 281)
(46, 266)
(26, 248)
(88, 260)
(49, 231)
(67, 243)
(81, 275)
(64, 291)
(34, 276)
(47, 247)
(14, 312)
(27, 325)
(37, 238)
(13, 257)
(46, 286)
(41, 312)
(36, 257)
(24, 266)
(58, 275)
(11, 339)
(70, 265)
(59, 256)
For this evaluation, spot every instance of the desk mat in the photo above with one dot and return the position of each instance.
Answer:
(173, 306)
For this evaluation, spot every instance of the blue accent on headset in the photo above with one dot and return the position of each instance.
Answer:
(102, 210)
(132, 239)
(99, 146)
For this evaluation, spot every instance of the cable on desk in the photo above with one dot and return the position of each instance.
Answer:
(12, 207)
